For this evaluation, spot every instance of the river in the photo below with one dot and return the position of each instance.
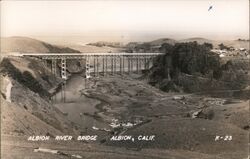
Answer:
(78, 108)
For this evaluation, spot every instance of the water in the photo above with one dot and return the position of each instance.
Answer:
(78, 108)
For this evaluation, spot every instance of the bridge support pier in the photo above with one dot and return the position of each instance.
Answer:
(103, 66)
(45, 63)
(63, 69)
(112, 65)
(94, 65)
(106, 65)
(63, 92)
(140, 63)
(137, 64)
(115, 65)
(97, 64)
(148, 63)
(123, 65)
(132, 64)
(120, 65)
(53, 67)
(128, 64)
(87, 68)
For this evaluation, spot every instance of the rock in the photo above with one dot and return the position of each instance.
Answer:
(45, 150)
(178, 98)
(196, 114)
(246, 127)
(205, 114)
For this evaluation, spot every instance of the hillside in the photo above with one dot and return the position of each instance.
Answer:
(233, 43)
(237, 44)
(25, 44)
(155, 45)
(198, 40)
(25, 105)
(106, 43)
(95, 49)
(162, 41)
(190, 67)
(27, 87)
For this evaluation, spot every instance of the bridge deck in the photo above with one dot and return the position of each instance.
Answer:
(84, 54)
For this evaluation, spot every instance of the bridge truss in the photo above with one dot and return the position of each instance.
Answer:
(97, 63)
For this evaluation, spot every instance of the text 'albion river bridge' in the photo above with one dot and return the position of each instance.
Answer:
(97, 62)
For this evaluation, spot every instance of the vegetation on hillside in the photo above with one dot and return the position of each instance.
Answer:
(55, 49)
(25, 78)
(193, 67)
(190, 58)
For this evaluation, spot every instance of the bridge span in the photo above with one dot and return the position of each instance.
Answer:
(96, 63)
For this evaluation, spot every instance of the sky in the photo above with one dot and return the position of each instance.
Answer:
(126, 19)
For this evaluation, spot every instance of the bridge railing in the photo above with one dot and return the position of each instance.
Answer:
(78, 55)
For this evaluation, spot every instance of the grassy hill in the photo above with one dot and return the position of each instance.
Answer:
(154, 46)
(95, 49)
(237, 44)
(25, 44)
(233, 43)
(198, 40)
(162, 41)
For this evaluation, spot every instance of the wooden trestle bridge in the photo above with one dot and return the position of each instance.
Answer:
(97, 63)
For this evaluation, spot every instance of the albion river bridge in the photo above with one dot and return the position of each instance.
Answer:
(97, 63)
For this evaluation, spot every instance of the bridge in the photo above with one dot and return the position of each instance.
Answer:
(97, 63)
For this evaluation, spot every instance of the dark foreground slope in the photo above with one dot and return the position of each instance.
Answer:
(26, 108)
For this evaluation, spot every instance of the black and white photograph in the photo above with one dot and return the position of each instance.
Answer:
(125, 79)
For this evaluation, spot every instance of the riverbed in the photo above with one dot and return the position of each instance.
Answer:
(141, 109)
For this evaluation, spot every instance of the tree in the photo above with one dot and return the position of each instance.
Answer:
(208, 45)
(189, 58)
(166, 48)
(223, 47)
(192, 57)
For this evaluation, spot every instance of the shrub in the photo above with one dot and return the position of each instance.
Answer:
(25, 78)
